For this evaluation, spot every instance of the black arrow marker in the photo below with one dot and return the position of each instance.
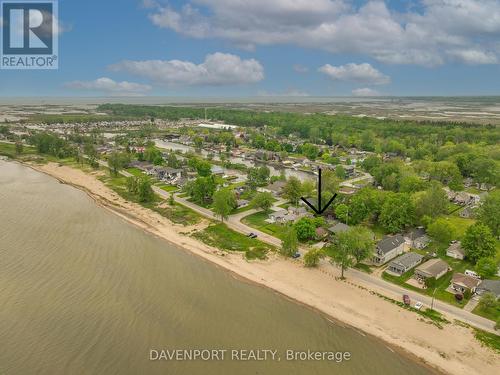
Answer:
(319, 210)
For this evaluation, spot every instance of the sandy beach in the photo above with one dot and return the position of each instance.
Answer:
(452, 350)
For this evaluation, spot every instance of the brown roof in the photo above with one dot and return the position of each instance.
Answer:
(464, 280)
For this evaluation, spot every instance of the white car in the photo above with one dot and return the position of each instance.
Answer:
(418, 305)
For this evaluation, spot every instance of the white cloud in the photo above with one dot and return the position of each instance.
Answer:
(362, 73)
(365, 92)
(110, 86)
(217, 69)
(430, 36)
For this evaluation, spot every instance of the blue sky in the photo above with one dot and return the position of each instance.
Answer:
(268, 48)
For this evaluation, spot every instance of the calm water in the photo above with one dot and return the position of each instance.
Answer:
(83, 292)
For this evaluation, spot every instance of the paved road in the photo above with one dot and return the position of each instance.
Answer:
(372, 282)
(397, 292)
(350, 183)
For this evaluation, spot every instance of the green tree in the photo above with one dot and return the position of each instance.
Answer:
(478, 242)
(172, 161)
(442, 230)
(202, 189)
(224, 202)
(144, 190)
(293, 190)
(398, 213)
(341, 212)
(489, 212)
(19, 148)
(305, 228)
(310, 151)
(488, 301)
(313, 256)
(342, 251)
(486, 267)
(432, 202)
(153, 155)
(263, 201)
(117, 161)
(364, 244)
(340, 172)
(258, 177)
(289, 241)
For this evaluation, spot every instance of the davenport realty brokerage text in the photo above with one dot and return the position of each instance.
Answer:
(246, 355)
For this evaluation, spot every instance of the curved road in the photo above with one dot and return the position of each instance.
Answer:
(372, 282)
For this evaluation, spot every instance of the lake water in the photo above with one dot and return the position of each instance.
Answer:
(84, 292)
(301, 175)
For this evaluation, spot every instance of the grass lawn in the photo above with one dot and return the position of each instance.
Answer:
(221, 237)
(135, 171)
(460, 224)
(488, 339)
(241, 209)
(168, 188)
(7, 149)
(492, 313)
(363, 267)
(178, 214)
(257, 221)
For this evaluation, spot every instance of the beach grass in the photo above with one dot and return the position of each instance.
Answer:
(224, 238)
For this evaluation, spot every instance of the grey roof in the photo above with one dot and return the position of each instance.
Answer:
(492, 286)
(417, 233)
(389, 243)
(407, 260)
(339, 228)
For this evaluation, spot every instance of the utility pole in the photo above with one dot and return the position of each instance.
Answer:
(432, 302)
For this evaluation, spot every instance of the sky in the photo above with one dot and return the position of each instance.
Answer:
(232, 48)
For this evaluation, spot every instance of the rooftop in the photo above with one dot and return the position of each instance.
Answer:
(389, 243)
(433, 266)
(407, 260)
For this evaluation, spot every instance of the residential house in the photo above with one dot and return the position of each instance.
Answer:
(288, 216)
(461, 283)
(350, 170)
(388, 248)
(275, 188)
(171, 173)
(404, 263)
(489, 286)
(432, 268)
(418, 239)
(455, 250)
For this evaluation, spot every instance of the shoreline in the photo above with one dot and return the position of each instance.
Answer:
(452, 349)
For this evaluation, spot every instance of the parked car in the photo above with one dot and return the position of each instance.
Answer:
(406, 299)
(418, 305)
(296, 255)
(251, 235)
